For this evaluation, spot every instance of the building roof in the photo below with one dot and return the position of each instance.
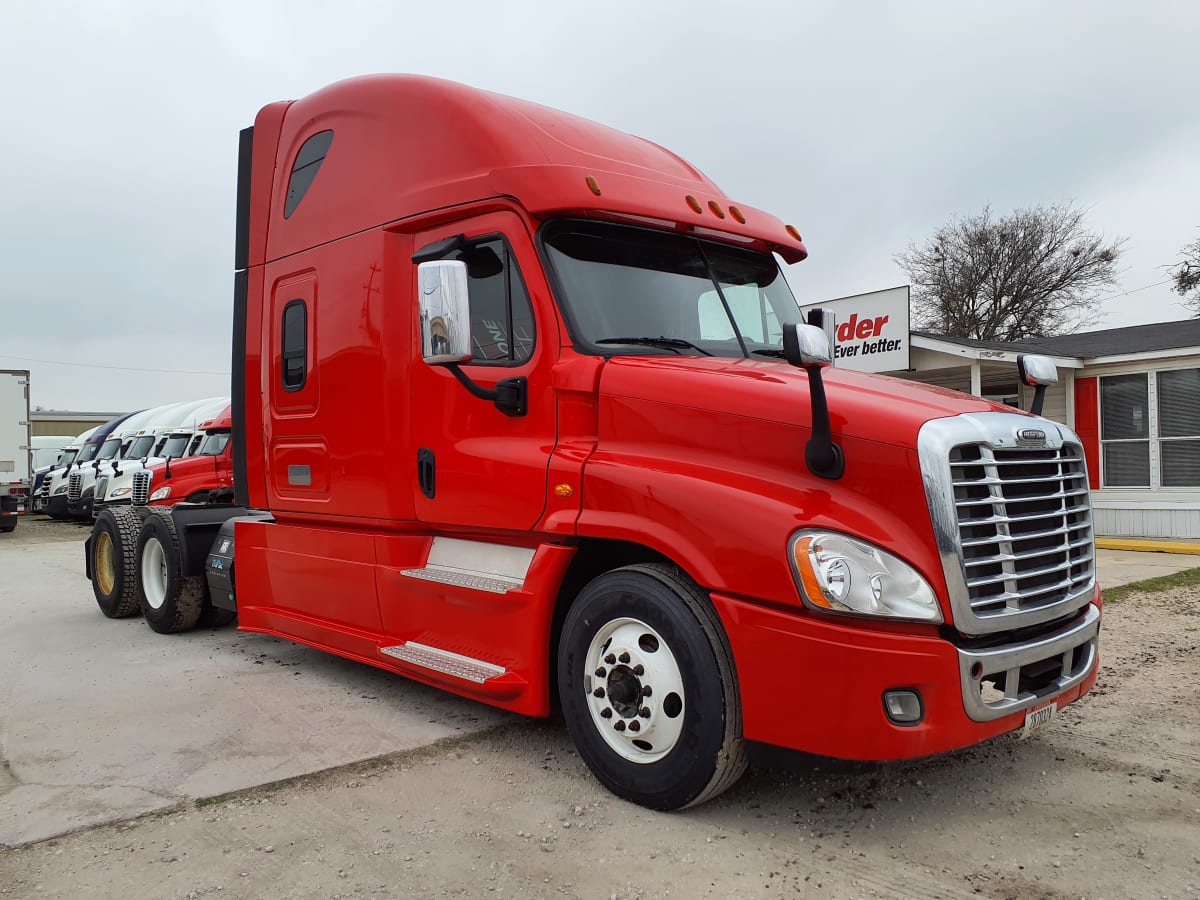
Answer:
(1157, 336)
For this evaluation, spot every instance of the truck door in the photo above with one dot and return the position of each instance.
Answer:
(473, 464)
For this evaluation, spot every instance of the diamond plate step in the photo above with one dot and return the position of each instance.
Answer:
(461, 578)
(444, 661)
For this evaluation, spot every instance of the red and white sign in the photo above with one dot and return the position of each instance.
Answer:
(872, 330)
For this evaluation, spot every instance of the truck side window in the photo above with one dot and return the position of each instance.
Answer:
(501, 316)
(294, 350)
(304, 169)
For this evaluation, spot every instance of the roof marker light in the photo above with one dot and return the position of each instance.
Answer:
(593, 185)
(791, 229)
(694, 204)
(716, 209)
(737, 214)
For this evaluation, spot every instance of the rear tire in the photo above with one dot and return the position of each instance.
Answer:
(114, 572)
(170, 601)
(648, 688)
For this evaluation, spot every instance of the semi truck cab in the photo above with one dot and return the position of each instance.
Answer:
(524, 408)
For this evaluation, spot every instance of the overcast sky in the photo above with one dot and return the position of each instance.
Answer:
(866, 124)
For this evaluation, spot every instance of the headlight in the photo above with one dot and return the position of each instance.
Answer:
(61, 489)
(840, 574)
(162, 493)
(121, 492)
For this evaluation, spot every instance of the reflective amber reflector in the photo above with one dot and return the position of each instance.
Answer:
(791, 229)
(716, 209)
(737, 214)
(593, 185)
(812, 586)
(563, 490)
(694, 204)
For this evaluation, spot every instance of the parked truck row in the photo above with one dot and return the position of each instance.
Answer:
(523, 408)
(99, 468)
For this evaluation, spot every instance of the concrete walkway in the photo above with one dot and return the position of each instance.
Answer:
(1117, 567)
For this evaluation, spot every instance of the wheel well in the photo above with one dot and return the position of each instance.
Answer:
(594, 557)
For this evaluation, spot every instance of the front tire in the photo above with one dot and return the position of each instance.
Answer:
(648, 688)
(169, 600)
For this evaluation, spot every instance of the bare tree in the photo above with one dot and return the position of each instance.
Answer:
(1186, 276)
(1035, 272)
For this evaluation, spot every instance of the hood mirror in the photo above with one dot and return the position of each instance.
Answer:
(808, 347)
(1039, 372)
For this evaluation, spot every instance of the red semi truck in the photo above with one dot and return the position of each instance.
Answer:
(524, 409)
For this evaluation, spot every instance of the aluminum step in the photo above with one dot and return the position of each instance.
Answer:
(464, 667)
(494, 568)
(461, 578)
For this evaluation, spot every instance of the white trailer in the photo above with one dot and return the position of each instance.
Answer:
(15, 443)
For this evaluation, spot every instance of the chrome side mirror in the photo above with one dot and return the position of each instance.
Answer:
(1039, 372)
(445, 312)
(806, 345)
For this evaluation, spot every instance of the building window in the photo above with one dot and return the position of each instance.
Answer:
(1125, 430)
(1179, 427)
(501, 316)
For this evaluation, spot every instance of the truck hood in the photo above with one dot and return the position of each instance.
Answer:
(871, 407)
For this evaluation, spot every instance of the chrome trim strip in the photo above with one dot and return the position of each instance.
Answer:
(1066, 642)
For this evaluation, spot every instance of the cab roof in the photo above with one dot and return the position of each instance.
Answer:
(402, 145)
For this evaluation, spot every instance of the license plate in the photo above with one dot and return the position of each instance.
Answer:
(1038, 718)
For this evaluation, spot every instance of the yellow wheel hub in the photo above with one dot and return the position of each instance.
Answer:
(106, 564)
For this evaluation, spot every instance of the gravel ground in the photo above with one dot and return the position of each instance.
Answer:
(1104, 803)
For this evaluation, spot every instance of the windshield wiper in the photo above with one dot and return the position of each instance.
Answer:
(772, 352)
(675, 344)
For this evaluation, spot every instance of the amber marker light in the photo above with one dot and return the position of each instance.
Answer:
(593, 185)
(737, 214)
(716, 209)
(791, 229)
(808, 577)
(563, 490)
(694, 204)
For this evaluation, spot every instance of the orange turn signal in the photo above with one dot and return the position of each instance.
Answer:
(808, 577)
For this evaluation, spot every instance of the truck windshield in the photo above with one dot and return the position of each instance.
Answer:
(67, 457)
(214, 443)
(174, 446)
(88, 453)
(109, 449)
(667, 293)
(140, 447)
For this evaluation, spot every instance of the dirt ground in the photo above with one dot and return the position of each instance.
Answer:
(1104, 803)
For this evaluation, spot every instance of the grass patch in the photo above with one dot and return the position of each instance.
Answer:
(1186, 578)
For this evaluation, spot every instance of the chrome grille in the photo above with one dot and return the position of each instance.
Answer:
(141, 488)
(75, 486)
(1013, 521)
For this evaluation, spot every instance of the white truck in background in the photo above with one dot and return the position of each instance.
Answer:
(171, 437)
(15, 442)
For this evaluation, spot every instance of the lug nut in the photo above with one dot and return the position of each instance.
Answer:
(624, 657)
(620, 726)
(647, 690)
(635, 725)
(639, 670)
(601, 672)
(610, 659)
(644, 712)
(598, 692)
(606, 713)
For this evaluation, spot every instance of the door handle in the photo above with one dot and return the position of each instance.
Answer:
(427, 472)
